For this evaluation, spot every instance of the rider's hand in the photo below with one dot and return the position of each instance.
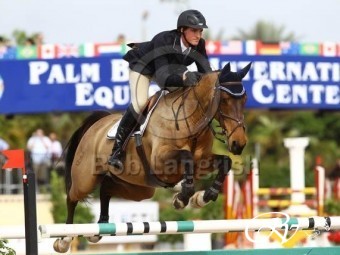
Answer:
(191, 78)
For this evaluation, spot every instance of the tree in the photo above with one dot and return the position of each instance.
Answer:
(20, 37)
(269, 128)
(4, 249)
(267, 32)
(18, 128)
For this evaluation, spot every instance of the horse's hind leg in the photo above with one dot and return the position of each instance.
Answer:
(63, 244)
(105, 196)
(201, 198)
(71, 207)
(181, 199)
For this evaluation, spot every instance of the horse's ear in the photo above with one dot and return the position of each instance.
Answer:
(245, 70)
(226, 68)
(224, 73)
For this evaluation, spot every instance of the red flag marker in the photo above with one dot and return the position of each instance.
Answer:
(15, 159)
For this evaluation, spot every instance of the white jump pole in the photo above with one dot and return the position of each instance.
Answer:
(12, 232)
(183, 227)
(176, 227)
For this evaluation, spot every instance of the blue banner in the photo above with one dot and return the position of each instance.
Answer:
(87, 84)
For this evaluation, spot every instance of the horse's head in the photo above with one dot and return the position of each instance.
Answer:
(231, 107)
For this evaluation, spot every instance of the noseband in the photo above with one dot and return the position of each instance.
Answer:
(236, 90)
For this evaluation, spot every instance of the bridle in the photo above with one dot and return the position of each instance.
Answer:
(236, 93)
(214, 108)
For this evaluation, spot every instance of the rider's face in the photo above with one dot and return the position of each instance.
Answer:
(193, 35)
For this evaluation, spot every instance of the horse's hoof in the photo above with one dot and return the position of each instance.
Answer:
(61, 245)
(177, 203)
(94, 239)
(197, 201)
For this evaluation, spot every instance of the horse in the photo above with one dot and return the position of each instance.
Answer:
(174, 149)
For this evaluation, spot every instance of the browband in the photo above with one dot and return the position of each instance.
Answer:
(236, 90)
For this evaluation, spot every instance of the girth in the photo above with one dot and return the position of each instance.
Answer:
(150, 178)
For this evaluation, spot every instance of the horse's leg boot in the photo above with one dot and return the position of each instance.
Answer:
(126, 126)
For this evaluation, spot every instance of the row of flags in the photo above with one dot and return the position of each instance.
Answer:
(252, 47)
(233, 47)
(53, 51)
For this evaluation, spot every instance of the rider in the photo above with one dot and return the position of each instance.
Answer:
(164, 59)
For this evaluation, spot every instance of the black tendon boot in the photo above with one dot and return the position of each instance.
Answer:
(126, 126)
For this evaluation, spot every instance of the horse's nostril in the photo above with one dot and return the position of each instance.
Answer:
(235, 144)
(236, 148)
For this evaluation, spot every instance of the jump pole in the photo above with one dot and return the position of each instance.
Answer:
(296, 251)
(181, 227)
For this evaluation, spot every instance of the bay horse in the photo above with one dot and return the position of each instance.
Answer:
(176, 145)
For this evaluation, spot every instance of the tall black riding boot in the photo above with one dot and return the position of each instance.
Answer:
(127, 125)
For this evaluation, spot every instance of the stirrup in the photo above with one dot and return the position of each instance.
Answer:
(116, 159)
(115, 162)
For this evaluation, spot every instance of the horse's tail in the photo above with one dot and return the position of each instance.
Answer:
(74, 141)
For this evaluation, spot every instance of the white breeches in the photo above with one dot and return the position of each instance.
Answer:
(139, 87)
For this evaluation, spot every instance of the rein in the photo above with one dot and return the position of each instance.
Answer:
(215, 108)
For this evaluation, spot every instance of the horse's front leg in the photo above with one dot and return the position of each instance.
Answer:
(181, 199)
(201, 198)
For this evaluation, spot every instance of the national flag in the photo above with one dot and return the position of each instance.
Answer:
(107, 49)
(338, 49)
(329, 49)
(232, 47)
(67, 50)
(47, 51)
(265, 48)
(289, 48)
(250, 47)
(309, 49)
(27, 52)
(15, 159)
(86, 50)
(10, 53)
(124, 48)
(212, 47)
(3, 50)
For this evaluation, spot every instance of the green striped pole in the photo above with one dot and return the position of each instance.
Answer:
(295, 251)
(178, 227)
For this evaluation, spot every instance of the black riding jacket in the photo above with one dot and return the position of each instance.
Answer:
(163, 60)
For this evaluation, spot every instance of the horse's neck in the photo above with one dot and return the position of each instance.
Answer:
(186, 111)
(203, 96)
(205, 90)
(200, 103)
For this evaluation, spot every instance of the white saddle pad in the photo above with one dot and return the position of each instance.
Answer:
(113, 130)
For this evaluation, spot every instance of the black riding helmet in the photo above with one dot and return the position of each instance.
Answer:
(191, 18)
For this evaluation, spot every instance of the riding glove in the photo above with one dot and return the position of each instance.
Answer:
(191, 78)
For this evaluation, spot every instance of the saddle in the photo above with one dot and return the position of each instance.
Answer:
(145, 115)
(150, 178)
